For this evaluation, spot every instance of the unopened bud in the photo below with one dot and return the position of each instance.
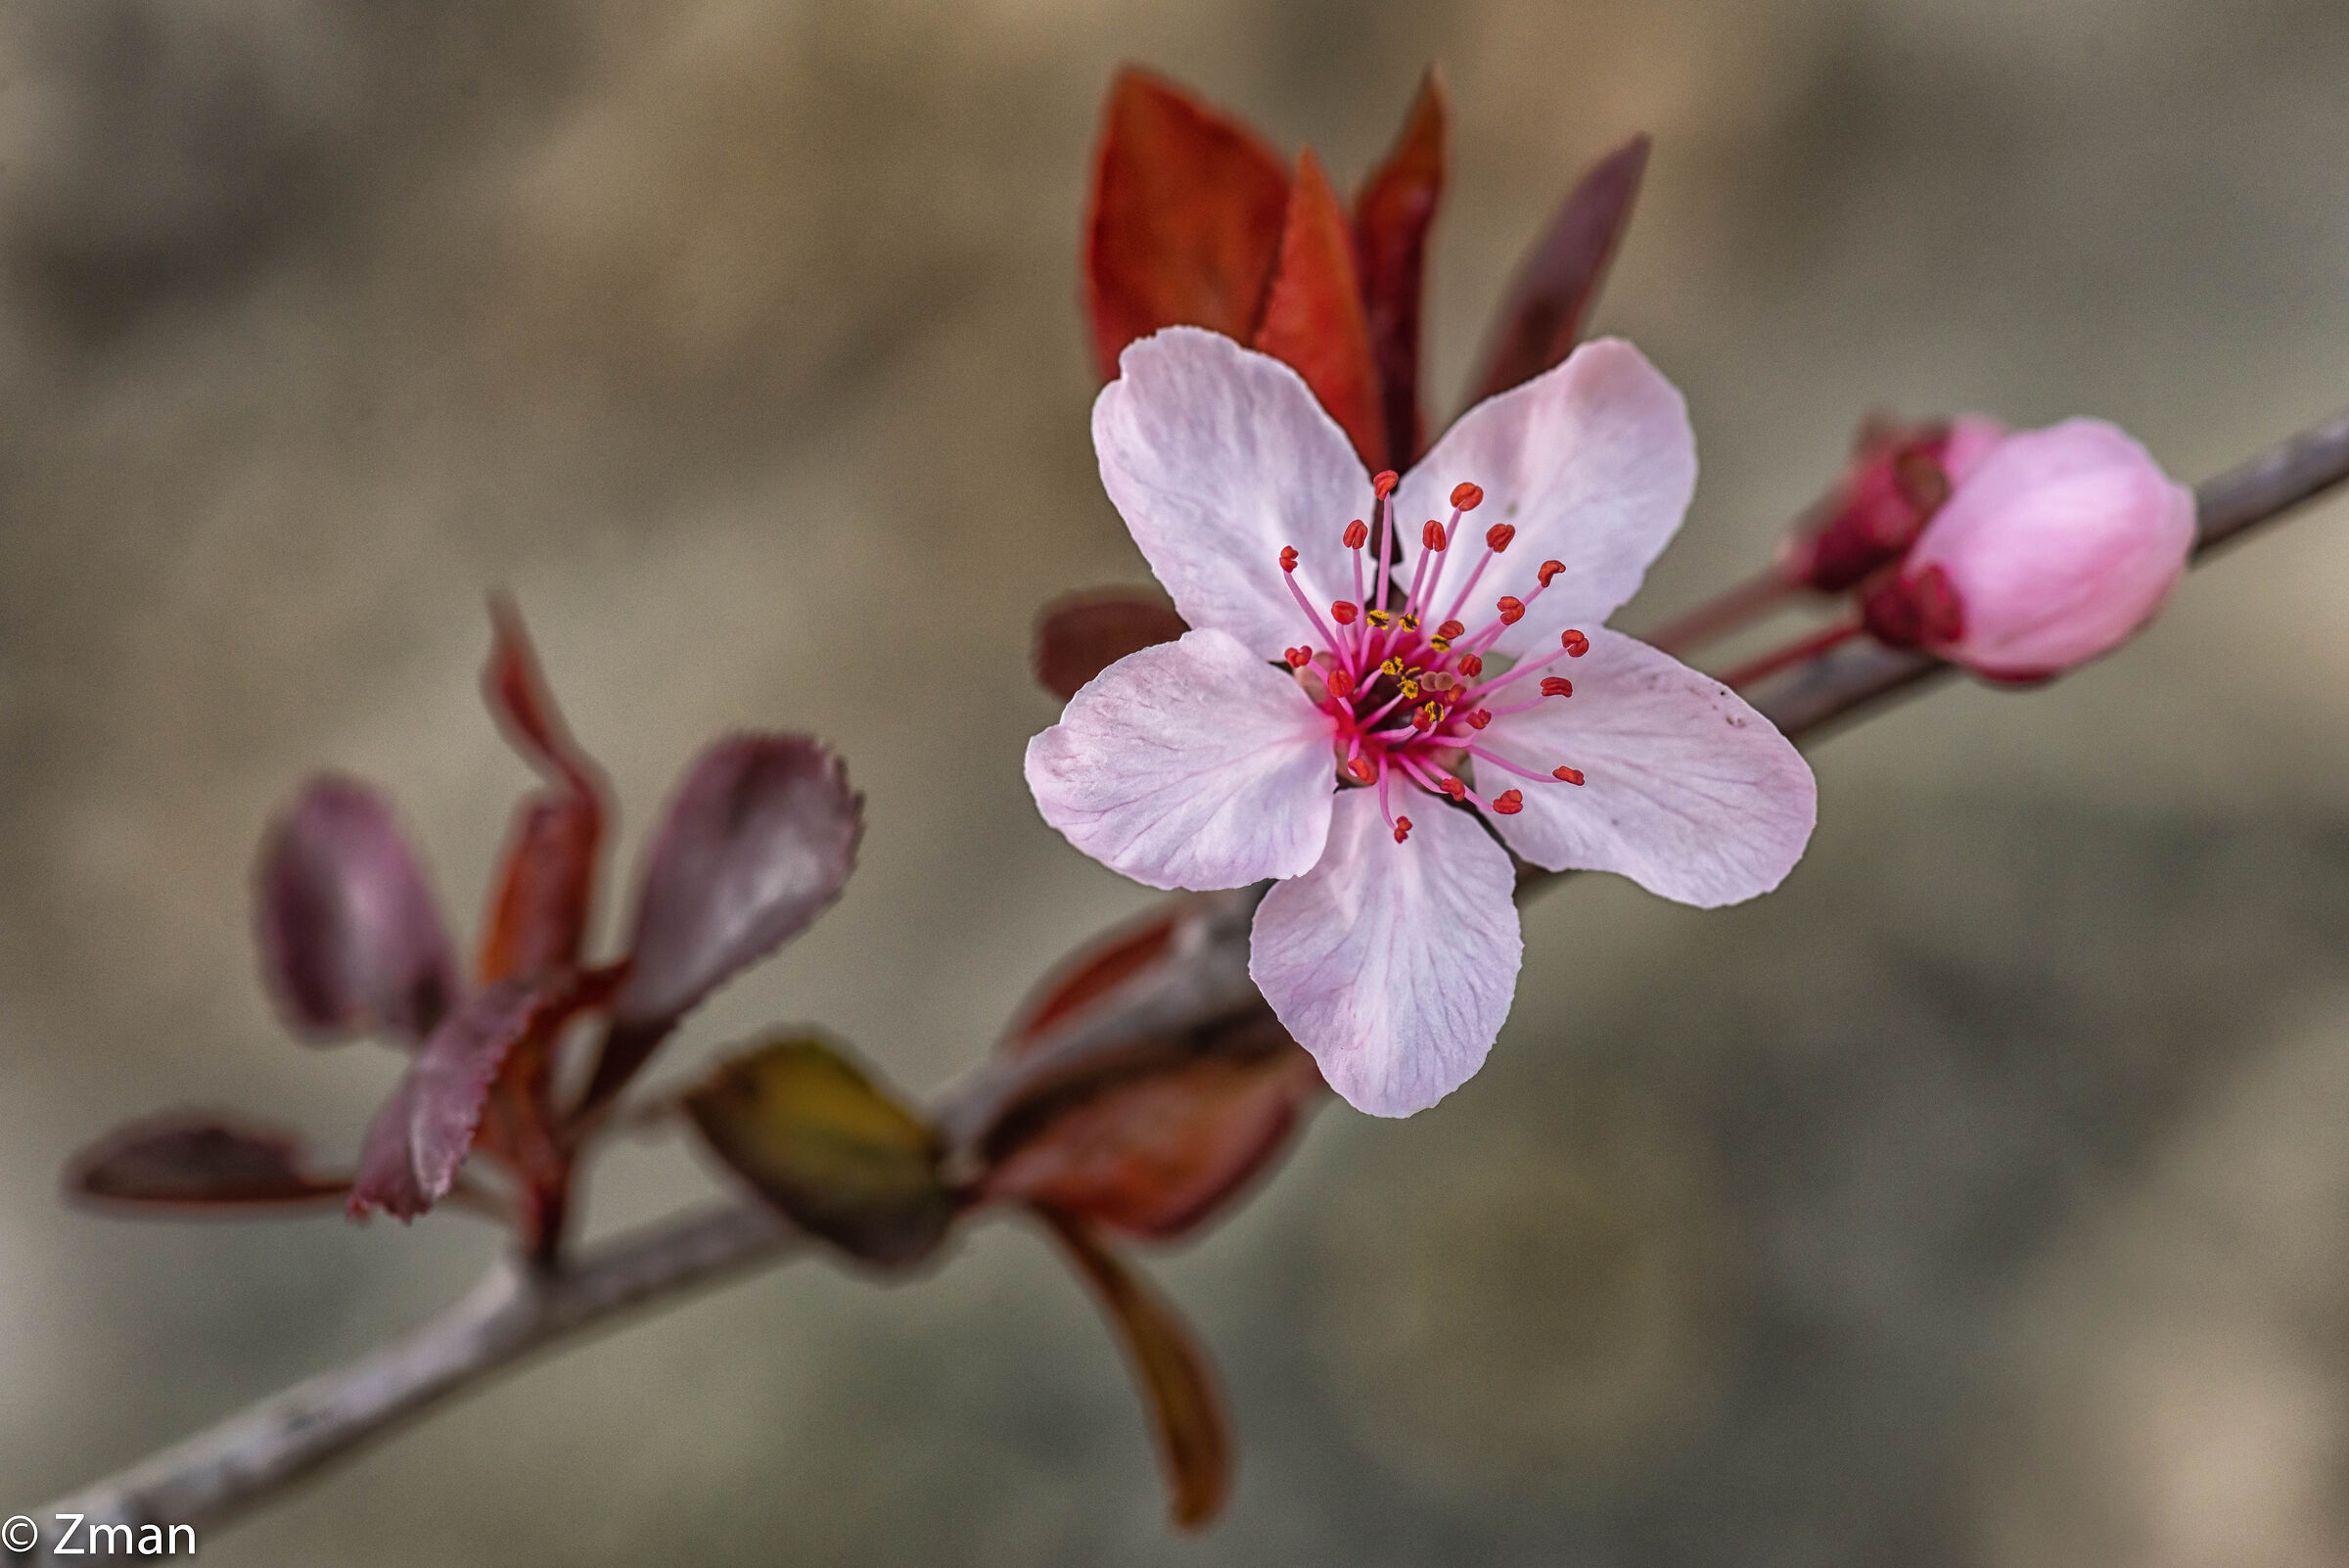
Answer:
(1900, 476)
(2052, 551)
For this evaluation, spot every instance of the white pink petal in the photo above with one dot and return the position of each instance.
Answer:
(1190, 764)
(1394, 963)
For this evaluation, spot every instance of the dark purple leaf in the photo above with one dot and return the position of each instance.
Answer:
(351, 941)
(829, 1148)
(194, 1160)
(755, 842)
(1542, 320)
(1080, 636)
(1186, 1415)
(424, 1130)
(1391, 218)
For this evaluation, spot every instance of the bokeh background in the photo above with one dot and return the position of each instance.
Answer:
(1980, 1198)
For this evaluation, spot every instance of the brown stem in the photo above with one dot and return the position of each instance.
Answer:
(1794, 653)
(1722, 614)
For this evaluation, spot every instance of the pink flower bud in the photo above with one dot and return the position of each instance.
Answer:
(1899, 477)
(2052, 551)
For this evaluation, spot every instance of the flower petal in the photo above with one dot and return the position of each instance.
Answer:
(1688, 791)
(1593, 463)
(1190, 764)
(1217, 458)
(1393, 963)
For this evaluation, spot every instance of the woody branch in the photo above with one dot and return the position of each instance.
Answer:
(244, 1460)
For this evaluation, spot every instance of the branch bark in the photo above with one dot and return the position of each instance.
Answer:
(241, 1461)
(245, 1460)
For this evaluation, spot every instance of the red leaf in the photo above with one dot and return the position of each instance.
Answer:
(197, 1161)
(1092, 974)
(1156, 1152)
(1559, 281)
(1391, 218)
(1313, 316)
(755, 842)
(350, 938)
(540, 908)
(1185, 220)
(425, 1129)
(1187, 1414)
(1080, 636)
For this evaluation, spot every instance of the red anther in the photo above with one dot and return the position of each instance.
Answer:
(1341, 684)
(1403, 828)
(1299, 658)
(1471, 666)
(1452, 787)
(1288, 558)
(1508, 803)
(1511, 607)
(1499, 536)
(1556, 687)
(1480, 719)
(1550, 570)
(1574, 642)
(1356, 536)
(1424, 716)
(1382, 483)
(1450, 629)
(1431, 534)
(1342, 612)
(1466, 496)
(1360, 772)
(1567, 776)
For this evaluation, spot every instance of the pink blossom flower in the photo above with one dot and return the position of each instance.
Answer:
(1362, 734)
(2052, 551)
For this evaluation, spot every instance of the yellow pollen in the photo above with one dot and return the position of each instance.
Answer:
(1410, 690)
(1440, 644)
(1380, 617)
(1410, 622)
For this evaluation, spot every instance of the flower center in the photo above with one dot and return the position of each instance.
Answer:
(1405, 683)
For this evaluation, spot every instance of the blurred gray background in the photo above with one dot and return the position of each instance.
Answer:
(1980, 1198)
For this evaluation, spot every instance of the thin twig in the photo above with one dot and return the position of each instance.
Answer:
(242, 1461)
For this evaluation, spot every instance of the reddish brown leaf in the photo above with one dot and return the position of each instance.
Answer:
(194, 1160)
(350, 940)
(1093, 973)
(1313, 316)
(757, 842)
(835, 1153)
(517, 697)
(1156, 1152)
(1391, 218)
(541, 899)
(1543, 317)
(425, 1129)
(1080, 636)
(1186, 1413)
(1183, 223)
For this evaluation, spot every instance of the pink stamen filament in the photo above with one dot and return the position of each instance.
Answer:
(1329, 639)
